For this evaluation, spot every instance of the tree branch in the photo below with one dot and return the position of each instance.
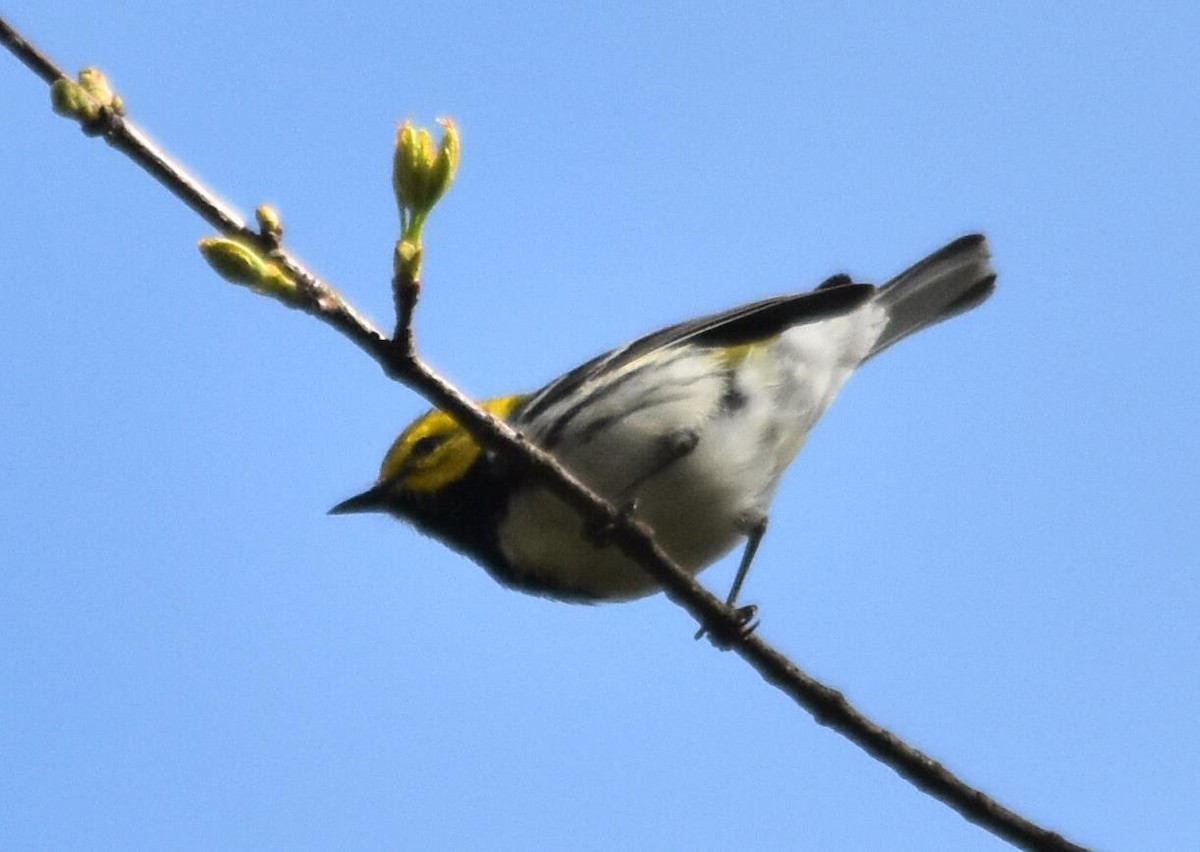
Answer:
(399, 359)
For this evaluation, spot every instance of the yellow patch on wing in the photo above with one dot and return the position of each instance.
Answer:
(435, 451)
(735, 355)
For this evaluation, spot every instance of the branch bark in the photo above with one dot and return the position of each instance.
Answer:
(399, 358)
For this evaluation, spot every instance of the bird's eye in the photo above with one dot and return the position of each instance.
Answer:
(422, 447)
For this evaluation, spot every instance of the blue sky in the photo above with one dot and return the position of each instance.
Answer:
(990, 543)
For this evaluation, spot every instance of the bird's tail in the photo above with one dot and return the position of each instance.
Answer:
(950, 281)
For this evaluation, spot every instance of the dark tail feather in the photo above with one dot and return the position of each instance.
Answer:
(948, 282)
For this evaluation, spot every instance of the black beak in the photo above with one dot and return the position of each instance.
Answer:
(372, 500)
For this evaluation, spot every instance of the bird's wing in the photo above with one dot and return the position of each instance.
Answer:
(744, 324)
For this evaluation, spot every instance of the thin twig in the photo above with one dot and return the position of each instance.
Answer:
(399, 359)
(406, 291)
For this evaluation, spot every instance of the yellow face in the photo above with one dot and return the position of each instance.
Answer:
(435, 450)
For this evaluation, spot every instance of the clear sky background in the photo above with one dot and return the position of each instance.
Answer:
(990, 544)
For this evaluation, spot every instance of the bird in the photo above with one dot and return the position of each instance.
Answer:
(690, 428)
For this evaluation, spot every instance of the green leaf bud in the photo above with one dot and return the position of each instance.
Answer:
(240, 263)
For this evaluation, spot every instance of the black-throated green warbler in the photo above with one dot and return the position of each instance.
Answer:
(692, 426)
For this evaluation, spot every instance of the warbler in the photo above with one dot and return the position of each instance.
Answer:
(691, 427)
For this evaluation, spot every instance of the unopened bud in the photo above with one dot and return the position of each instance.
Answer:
(70, 99)
(239, 263)
(96, 84)
(421, 174)
(270, 223)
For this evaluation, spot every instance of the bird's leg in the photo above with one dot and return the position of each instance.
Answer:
(754, 537)
(745, 614)
(601, 534)
(672, 447)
